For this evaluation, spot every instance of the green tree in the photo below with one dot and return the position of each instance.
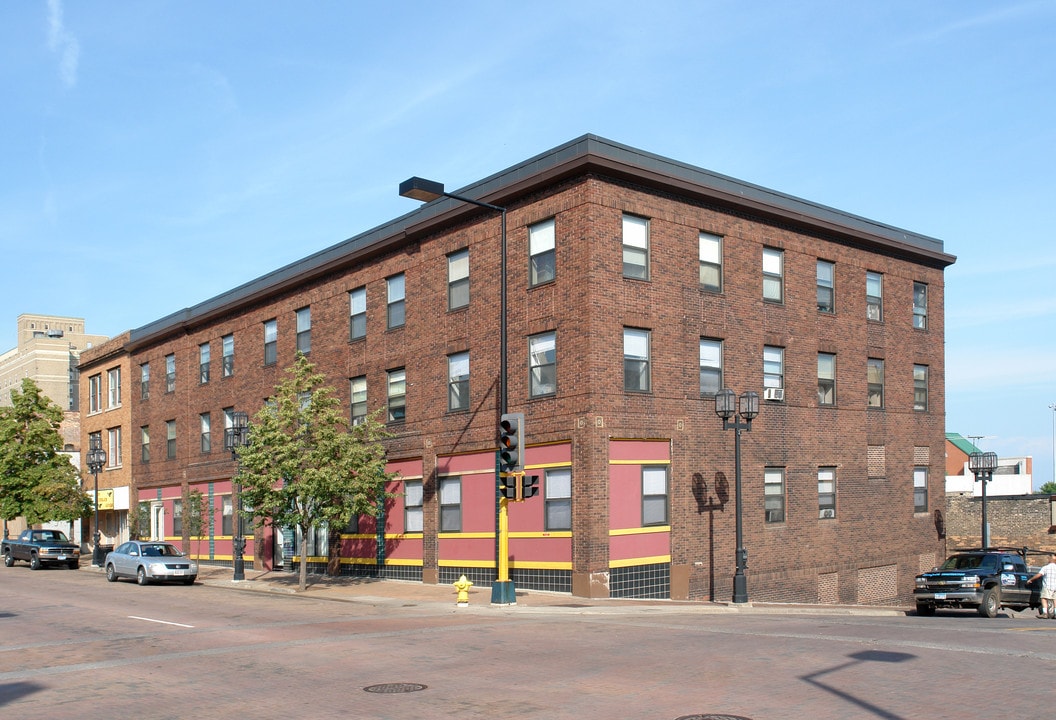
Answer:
(37, 481)
(1048, 488)
(194, 515)
(304, 466)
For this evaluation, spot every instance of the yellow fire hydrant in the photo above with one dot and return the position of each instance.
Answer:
(462, 588)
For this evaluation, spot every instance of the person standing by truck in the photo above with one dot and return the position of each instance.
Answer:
(1048, 588)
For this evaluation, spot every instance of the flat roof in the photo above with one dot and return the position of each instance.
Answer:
(588, 154)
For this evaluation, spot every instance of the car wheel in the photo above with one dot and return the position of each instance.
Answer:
(991, 602)
(34, 562)
(141, 576)
(925, 610)
(189, 581)
(111, 573)
(8, 560)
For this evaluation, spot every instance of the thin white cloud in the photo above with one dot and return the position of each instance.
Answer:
(997, 13)
(63, 43)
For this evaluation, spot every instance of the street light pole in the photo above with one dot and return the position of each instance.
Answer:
(725, 408)
(982, 466)
(1053, 408)
(503, 591)
(96, 460)
(236, 436)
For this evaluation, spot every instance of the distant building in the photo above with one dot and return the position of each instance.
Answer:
(1012, 476)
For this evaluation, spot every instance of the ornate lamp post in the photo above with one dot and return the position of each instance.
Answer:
(236, 436)
(96, 460)
(742, 416)
(982, 466)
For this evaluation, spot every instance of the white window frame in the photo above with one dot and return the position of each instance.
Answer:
(637, 360)
(920, 305)
(204, 352)
(396, 395)
(358, 399)
(413, 506)
(774, 500)
(655, 493)
(874, 296)
(458, 279)
(773, 366)
(710, 248)
(396, 301)
(449, 497)
(773, 275)
(304, 330)
(113, 440)
(826, 493)
(458, 382)
(557, 495)
(920, 489)
(542, 252)
(710, 366)
(920, 388)
(826, 278)
(95, 393)
(357, 314)
(271, 341)
(875, 382)
(826, 379)
(635, 247)
(227, 362)
(542, 364)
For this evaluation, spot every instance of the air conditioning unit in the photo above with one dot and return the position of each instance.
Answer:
(828, 513)
(777, 394)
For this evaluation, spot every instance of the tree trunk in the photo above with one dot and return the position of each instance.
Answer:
(302, 584)
(333, 556)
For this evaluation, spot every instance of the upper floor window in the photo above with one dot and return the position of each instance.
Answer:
(177, 517)
(874, 296)
(451, 504)
(204, 423)
(304, 330)
(170, 373)
(920, 306)
(557, 491)
(773, 275)
(144, 443)
(542, 259)
(413, 498)
(635, 247)
(654, 495)
(774, 494)
(95, 393)
(458, 279)
(113, 387)
(826, 287)
(357, 314)
(396, 309)
(826, 492)
(113, 457)
(271, 342)
(635, 360)
(920, 388)
(711, 262)
(458, 381)
(359, 399)
(773, 367)
(710, 366)
(542, 364)
(875, 381)
(144, 381)
(920, 489)
(397, 395)
(826, 379)
(203, 363)
(228, 363)
(170, 439)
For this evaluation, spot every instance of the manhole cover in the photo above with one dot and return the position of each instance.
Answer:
(712, 716)
(395, 688)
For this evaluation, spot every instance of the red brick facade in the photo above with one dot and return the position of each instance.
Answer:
(868, 552)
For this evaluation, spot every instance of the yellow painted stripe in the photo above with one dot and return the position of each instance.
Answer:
(640, 561)
(466, 536)
(641, 531)
(467, 563)
(551, 534)
(543, 466)
(639, 462)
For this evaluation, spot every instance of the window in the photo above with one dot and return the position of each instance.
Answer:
(711, 262)
(177, 517)
(710, 366)
(827, 492)
(635, 247)
(542, 364)
(113, 387)
(774, 494)
(397, 395)
(113, 456)
(920, 489)
(635, 360)
(304, 330)
(357, 314)
(170, 373)
(170, 439)
(144, 381)
(826, 379)
(874, 296)
(542, 259)
(359, 399)
(204, 423)
(920, 306)
(144, 443)
(395, 310)
(271, 342)
(773, 367)
(557, 489)
(450, 504)
(412, 506)
(228, 362)
(826, 287)
(95, 393)
(875, 380)
(458, 381)
(227, 507)
(773, 275)
(654, 495)
(203, 363)
(920, 388)
(458, 279)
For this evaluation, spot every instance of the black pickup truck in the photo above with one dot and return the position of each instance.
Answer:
(40, 548)
(987, 580)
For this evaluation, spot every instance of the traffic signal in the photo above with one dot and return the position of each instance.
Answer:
(511, 443)
(508, 486)
(529, 486)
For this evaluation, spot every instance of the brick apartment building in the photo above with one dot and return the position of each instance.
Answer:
(637, 287)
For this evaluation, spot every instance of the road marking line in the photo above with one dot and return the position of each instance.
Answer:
(163, 622)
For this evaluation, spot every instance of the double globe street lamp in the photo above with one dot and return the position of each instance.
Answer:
(738, 417)
(982, 466)
(96, 460)
(236, 436)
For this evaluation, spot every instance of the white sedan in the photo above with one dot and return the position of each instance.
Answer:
(150, 561)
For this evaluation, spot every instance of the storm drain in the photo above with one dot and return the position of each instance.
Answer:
(712, 716)
(395, 688)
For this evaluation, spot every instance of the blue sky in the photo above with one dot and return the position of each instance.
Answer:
(157, 153)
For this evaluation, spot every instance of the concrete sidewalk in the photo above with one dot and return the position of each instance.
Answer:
(403, 592)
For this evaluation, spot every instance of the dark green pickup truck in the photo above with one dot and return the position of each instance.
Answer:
(40, 548)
